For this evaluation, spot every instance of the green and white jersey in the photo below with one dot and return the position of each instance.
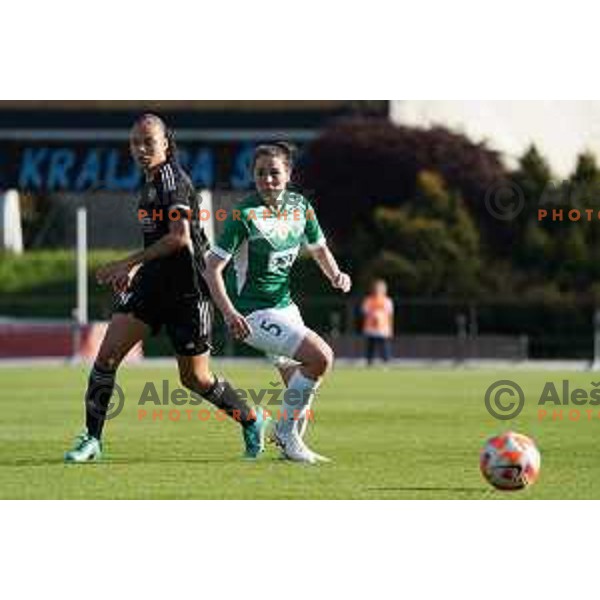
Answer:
(264, 243)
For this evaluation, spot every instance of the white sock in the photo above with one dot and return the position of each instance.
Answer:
(304, 418)
(295, 404)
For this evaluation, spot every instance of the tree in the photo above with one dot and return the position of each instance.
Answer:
(532, 246)
(359, 164)
(430, 246)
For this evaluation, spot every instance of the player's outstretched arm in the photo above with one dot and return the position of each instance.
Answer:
(327, 263)
(213, 276)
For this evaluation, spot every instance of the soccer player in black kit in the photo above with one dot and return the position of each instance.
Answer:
(162, 286)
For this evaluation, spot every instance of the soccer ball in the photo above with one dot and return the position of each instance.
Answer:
(510, 461)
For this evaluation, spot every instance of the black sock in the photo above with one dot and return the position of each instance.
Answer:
(101, 384)
(224, 397)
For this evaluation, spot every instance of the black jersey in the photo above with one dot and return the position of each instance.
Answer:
(171, 195)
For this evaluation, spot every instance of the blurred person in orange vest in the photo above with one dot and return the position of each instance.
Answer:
(378, 324)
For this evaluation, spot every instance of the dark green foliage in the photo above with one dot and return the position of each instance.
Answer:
(409, 204)
(360, 164)
(430, 246)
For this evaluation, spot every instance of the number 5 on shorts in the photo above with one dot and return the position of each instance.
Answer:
(271, 328)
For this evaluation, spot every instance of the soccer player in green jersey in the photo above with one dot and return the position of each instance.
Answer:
(263, 235)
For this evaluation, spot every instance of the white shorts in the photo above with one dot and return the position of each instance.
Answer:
(278, 332)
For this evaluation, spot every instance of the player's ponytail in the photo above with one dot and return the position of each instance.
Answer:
(172, 148)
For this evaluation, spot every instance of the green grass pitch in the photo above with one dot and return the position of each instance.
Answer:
(395, 434)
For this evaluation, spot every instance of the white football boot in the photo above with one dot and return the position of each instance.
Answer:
(294, 449)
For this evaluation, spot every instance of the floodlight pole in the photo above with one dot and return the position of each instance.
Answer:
(596, 360)
(81, 312)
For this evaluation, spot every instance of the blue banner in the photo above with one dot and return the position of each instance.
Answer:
(81, 167)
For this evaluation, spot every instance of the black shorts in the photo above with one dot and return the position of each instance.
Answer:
(187, 318)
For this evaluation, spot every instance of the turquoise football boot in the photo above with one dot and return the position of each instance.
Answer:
(255, 434)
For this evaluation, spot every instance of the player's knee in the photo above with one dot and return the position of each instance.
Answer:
(324, 360)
